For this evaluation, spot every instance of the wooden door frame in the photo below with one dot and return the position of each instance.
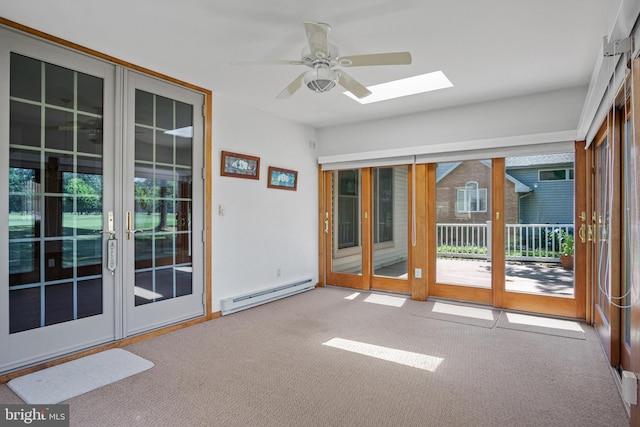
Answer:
(626, 353)
(607, 325)
(392, 284)
(355, 281)
(423, 252)
(366, 280)
(497, 296)
(634, 337)
(574, 307)
(452, 291)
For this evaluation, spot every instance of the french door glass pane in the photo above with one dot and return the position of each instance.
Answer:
(163, 198)
(55, 194)
(463, 223)
(346, 201)
(539, 224)
(389, 221)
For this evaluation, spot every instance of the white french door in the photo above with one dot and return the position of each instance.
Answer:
(101, 202)
(163, 206)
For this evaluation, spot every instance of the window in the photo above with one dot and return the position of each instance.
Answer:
(383, 205)
(471, 198)
(556, 175)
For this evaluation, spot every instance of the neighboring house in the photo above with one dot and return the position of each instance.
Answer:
(463, 193)
(550, 177)
(538, 190)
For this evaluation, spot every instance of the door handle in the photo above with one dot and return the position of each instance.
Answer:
(110, 229)
(581, 233)
(130, 231)
(590, 234)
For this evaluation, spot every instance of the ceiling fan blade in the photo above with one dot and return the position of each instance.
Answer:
(352, 85)
(392, 58)
(268, 62)
(317, 37)
(292, 88)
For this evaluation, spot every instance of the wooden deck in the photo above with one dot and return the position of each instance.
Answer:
(530, 277)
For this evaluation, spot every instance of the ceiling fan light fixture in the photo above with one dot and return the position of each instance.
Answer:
(321, 79)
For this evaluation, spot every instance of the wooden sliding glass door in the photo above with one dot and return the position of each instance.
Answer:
(462, 231)
(540, 244)
(604, 236)
(367, 228)
(498, 231)
(615, 235)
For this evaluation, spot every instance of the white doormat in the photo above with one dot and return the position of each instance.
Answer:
(59, 383)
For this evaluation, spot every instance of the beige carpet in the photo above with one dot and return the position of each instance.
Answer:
(318, 359)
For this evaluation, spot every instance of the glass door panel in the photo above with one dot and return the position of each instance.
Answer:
(390, 228)
(56, 197)
(389, 221)
(606, 282)
(161, 223)
(162, 199)
(539, 229)
(463, 230)
(347, 227)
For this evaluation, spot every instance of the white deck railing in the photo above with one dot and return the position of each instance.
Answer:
(523, 242)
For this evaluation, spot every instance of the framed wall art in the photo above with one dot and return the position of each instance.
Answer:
(239, 165)
(283, 179)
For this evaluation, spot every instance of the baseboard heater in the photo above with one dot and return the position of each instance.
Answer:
(241, 302)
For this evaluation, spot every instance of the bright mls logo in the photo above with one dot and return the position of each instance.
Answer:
(35, 415)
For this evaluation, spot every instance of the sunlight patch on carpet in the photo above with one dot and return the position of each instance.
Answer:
(385, 300)
(459, 313)
(541, 325)
(407, 358)
(458, 310)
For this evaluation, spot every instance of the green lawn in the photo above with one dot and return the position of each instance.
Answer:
(22, 225)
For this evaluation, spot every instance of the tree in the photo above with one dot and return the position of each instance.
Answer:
(87, 199)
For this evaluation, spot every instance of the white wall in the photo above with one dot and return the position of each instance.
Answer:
(542, 113)
(262, 229)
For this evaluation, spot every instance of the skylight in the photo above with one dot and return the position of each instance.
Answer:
(404, 87)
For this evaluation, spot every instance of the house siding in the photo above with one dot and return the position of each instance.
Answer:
(384, 256)
(550, 202)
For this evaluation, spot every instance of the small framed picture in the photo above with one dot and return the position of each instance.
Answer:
(283, 179)
(240, 165)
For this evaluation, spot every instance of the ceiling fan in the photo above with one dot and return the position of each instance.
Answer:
(323, 58)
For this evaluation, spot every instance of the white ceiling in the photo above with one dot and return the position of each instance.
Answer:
(489, 49)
